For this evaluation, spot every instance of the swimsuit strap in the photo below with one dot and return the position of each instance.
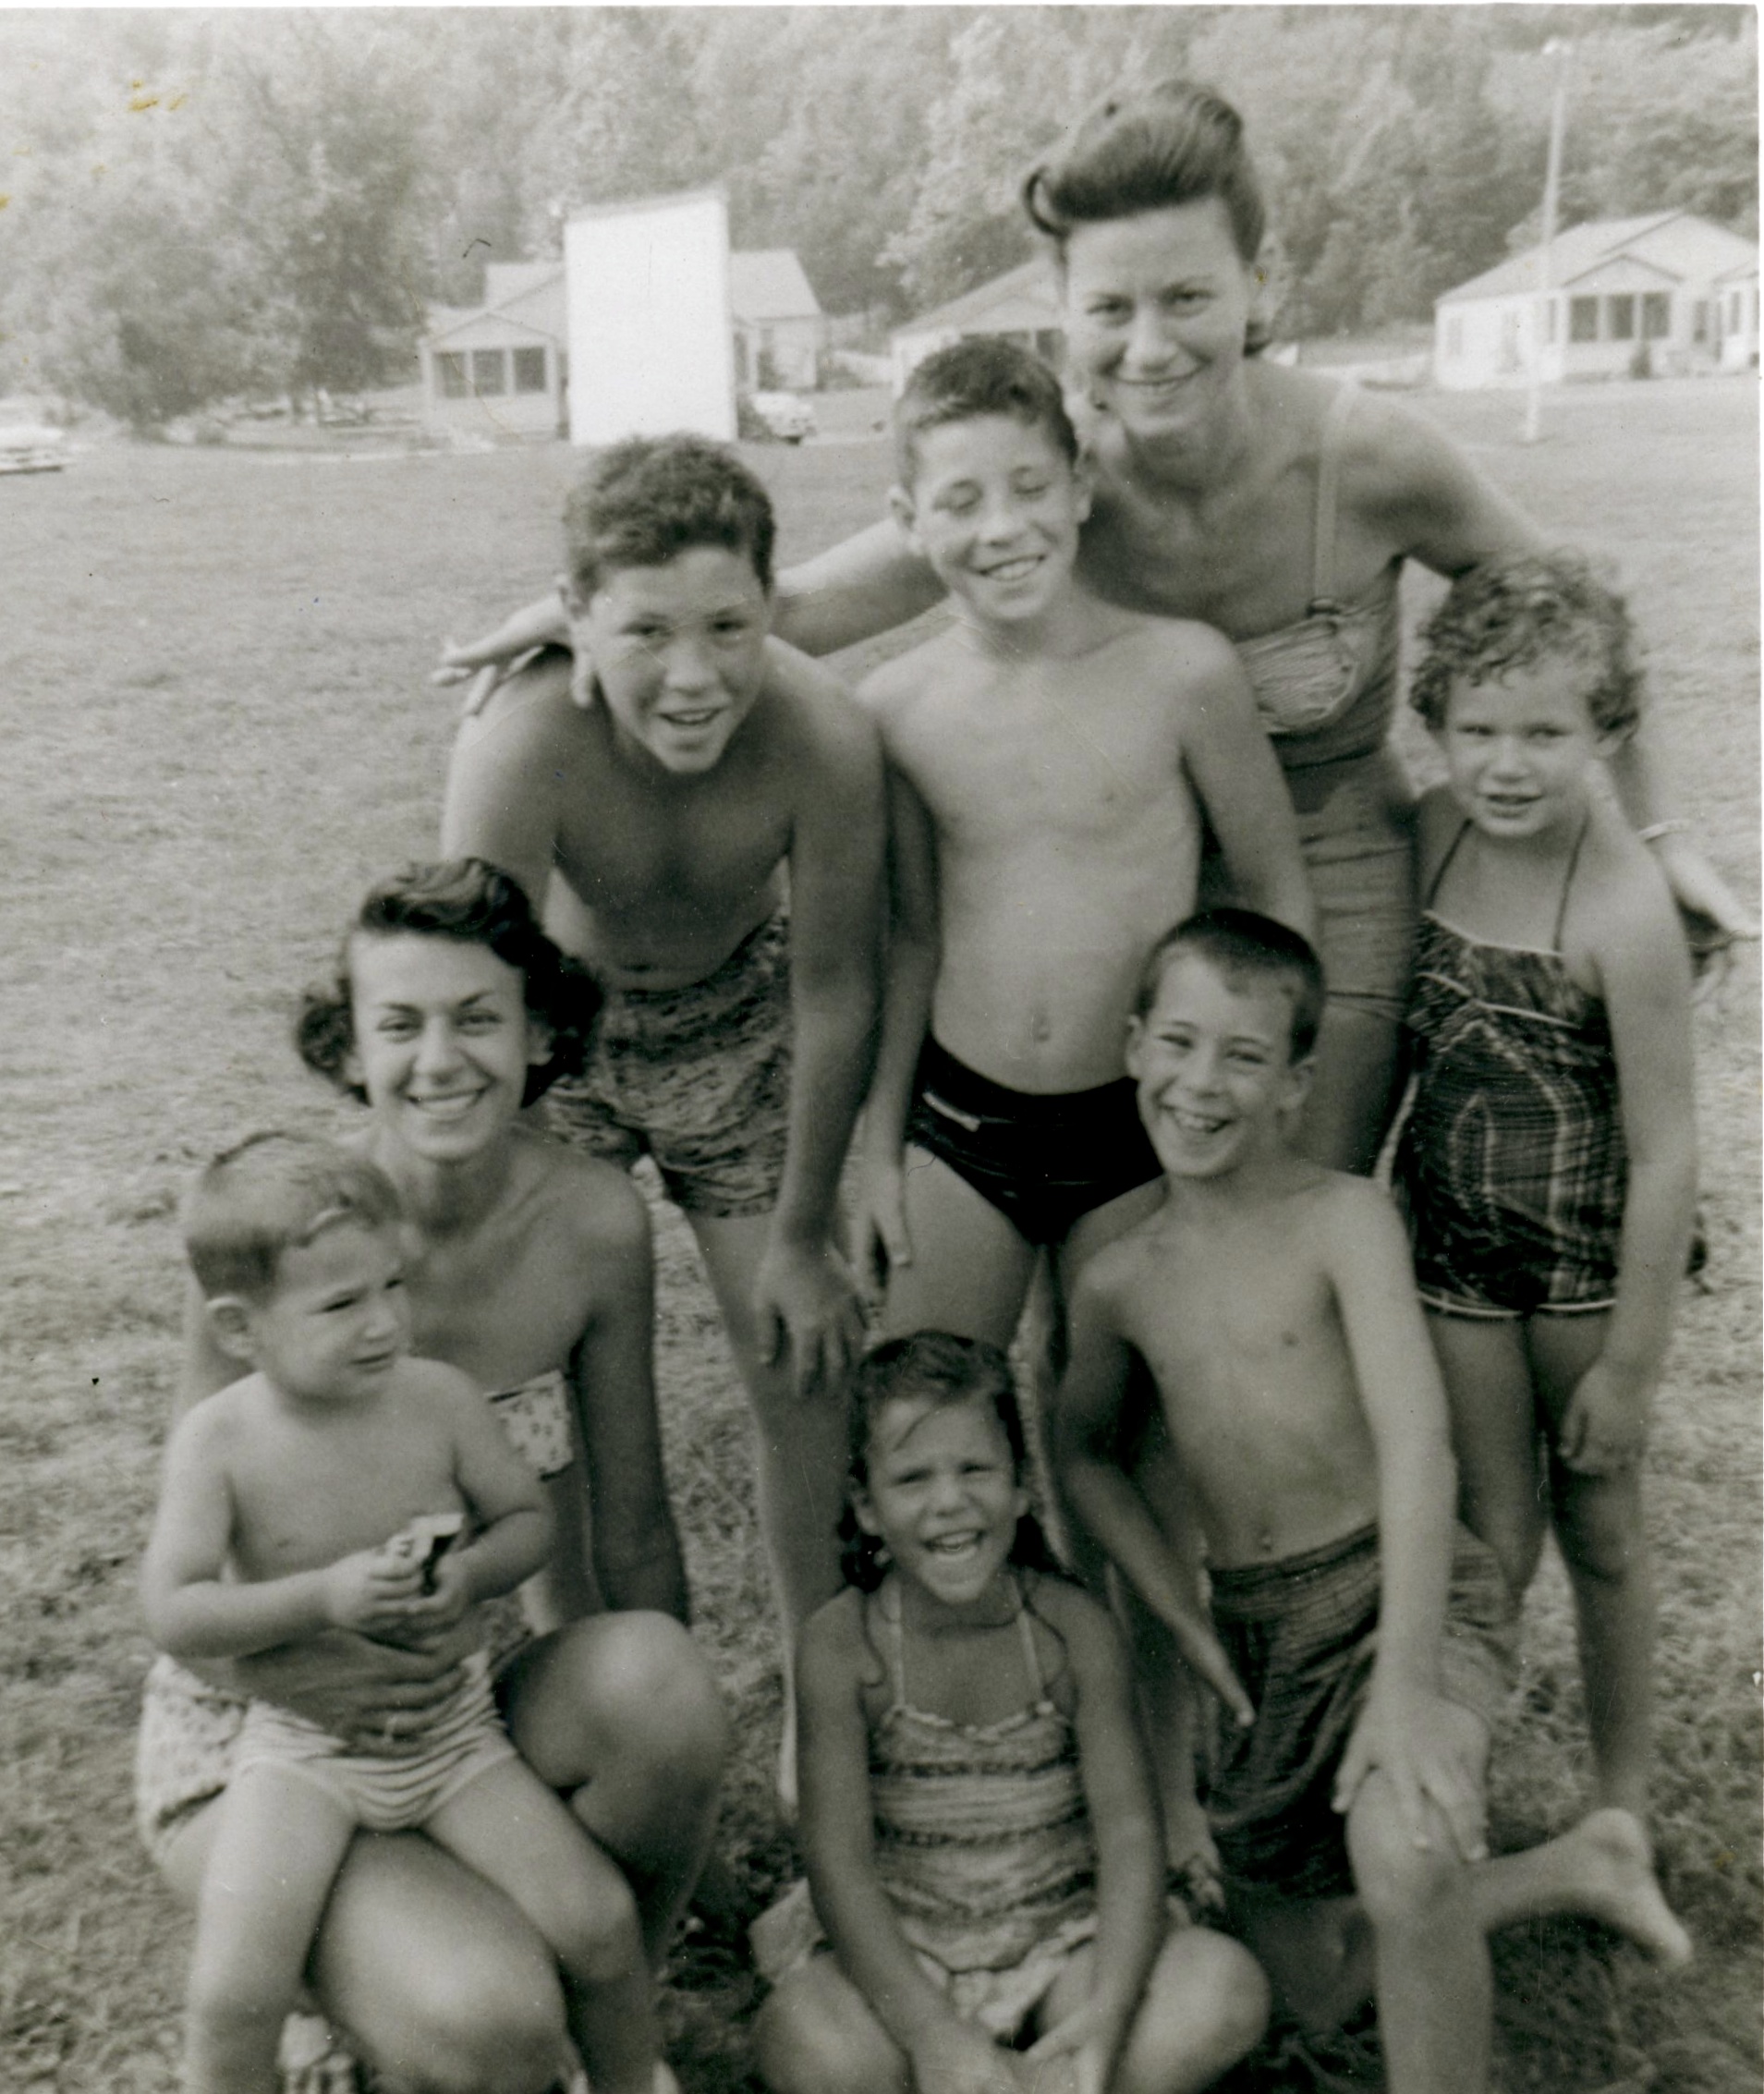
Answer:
(1329, 459)
(1440, 870)
(1568, 883)
(1026, 1628)
(895, 1646)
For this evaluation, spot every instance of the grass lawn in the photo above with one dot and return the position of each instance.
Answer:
(217, 730)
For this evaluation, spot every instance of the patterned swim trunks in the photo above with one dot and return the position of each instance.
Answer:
(698, 1077)
(1301, 1635)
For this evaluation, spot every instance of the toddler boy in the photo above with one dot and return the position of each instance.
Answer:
(344, 1484)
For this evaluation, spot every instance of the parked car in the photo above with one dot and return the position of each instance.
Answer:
(32, 446)
(785, 416)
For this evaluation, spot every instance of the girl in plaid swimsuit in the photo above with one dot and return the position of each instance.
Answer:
(1549, 1164)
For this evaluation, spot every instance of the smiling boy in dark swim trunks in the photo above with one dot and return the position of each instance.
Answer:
(1357, 1637)
(1051, 760)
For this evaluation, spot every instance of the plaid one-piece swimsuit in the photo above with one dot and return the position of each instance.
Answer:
(1512, 1162)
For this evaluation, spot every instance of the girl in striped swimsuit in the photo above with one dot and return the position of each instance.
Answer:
(979, 1820)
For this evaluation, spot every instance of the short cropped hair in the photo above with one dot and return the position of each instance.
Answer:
(474, 903)
(937, 1368)
(1146, 148)
(982, 376)
(272, 1193)
(642, 503)
(1506, 614)
(1245, 946)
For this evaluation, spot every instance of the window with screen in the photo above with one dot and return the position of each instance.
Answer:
(488, 372)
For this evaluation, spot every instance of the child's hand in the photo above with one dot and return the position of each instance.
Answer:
(1088, 2041)
(1605, 1426)
(369, 1590)
(449, 1598)
(1432, 1751)
(956, 2058)
(883, 1242)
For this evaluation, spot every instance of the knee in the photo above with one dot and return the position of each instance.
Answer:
(800, 2048)
(653, 1692)
(1206, 2005)
(1600, 1539)
(484, 2043)
(1400, 1883)
(598, 1936)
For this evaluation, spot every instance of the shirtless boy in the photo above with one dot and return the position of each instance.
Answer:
(1050, 759)
(665, 800)
(1356, 1638)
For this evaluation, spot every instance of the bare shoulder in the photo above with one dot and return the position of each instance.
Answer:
(1181, 660)
(1403, 477)
(532, 711)
(1351, 1218)
(1438, 819)
(430, 1387)
(215, 1424)
(1076, 1638)
(815, 709)
(1078, 1620)
(831, 1648)
(1109, 1278)
(587, 1199)
(1621, 908)
(890, 691)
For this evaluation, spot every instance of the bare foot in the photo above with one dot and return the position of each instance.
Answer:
(1617, 1880)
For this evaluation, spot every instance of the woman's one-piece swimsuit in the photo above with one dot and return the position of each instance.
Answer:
(1512, 1162)
(983, 1844)
(1325, 688)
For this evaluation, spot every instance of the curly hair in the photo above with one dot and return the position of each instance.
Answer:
(473, 903)
(982, 376)
(936, 1367)
(642, 503)
(270, 1194)
(1507, 615)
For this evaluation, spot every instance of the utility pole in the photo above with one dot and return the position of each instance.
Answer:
(1557, 48)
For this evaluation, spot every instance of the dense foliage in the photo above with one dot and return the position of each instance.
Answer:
(197, 204)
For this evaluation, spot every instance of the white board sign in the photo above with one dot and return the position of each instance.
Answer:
(651, 330)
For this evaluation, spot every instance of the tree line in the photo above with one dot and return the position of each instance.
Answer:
(196, 205)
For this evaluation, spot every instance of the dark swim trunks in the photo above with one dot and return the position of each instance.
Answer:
(1301, 1635)
(1043, 1160)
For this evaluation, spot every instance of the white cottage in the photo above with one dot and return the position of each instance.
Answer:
(500, 368)
(779, 328)
(1022, 305)
(1678, 285)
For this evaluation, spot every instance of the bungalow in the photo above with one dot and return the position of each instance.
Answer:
(500, 368)
(1680, 287)
(779, 328)
(1021, 305)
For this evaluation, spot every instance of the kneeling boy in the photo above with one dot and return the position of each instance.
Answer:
(1358, 1637)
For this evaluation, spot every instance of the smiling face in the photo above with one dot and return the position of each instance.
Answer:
(444, 1040)
(677, 651)
(995, 506)
(942, 1494)
(1518, 750)
(1213, 1062)
(336, 1321)
(1156, 310)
